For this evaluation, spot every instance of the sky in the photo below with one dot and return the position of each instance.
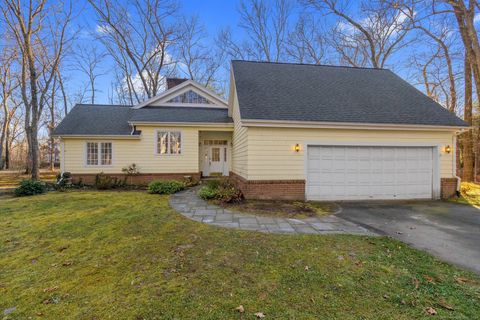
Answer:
(213, 14)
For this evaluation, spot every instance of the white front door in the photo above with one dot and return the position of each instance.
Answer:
(215, 160)
(368, 173)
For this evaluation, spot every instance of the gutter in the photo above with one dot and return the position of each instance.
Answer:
(347, 125)
(183, 124)
(98, 136)
(454, 163)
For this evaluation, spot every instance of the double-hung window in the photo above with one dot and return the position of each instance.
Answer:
(169, 142)
(99, 153)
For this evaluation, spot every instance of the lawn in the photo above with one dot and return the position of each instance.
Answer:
(11, 179)
(470, 194)
(127, 255)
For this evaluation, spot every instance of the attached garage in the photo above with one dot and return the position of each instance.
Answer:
(352, 172)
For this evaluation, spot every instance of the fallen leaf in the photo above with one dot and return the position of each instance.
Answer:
(50, 289)
(415, 282)
(259, 315)
(442, 303)
(240, 309)
(461, 280)
(428, 278)
(431, 311)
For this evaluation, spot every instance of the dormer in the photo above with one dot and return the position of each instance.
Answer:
(185, 93)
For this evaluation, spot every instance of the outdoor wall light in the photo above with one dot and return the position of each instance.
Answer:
(297, 148)
(447, 149)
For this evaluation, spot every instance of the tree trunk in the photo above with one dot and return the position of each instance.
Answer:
(2, 140)
(468, 158)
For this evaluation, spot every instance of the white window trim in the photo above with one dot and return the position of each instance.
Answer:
(85, 154)
(168, 154)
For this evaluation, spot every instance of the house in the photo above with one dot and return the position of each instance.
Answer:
(288, 131)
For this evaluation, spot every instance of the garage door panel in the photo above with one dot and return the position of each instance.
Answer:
(359, 173)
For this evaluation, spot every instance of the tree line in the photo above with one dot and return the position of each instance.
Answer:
(45, 50)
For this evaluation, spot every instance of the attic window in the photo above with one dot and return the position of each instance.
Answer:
(190, 97)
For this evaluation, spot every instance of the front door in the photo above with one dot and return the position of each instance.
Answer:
(215, 159)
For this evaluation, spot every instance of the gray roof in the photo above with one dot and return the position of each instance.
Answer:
(181, 114)
(95, 120)
(86, 119)
(300, 92)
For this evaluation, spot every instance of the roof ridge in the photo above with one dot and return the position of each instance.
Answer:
(103, 105)
(310, 64)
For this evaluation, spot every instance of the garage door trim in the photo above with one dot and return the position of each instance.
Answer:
(435, 157)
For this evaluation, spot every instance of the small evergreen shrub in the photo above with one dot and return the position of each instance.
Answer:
(104, 182)
(165, 187)
(64, 181)
(223, 191)
(207, 193)
(30, 187)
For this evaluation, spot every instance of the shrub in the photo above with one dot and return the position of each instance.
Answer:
(207, 193)
(104, 182)
(223, 191)
(30, 188)
(64, 180)
(165, 187)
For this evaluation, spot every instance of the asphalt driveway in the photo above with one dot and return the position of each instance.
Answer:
(447, 230)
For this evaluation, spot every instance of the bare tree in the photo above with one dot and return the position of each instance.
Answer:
(195, 60)
(40, 33)
(307, 42)
(88, 61)
(8, 84)
(138, 36)
(266, 25)
(370, 39)
(438, 29)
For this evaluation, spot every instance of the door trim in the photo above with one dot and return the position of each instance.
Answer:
(435, 157)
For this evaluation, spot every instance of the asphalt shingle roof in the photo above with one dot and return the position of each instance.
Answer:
(95, 120)
(181, 114)
(113, 119)
(299, 92)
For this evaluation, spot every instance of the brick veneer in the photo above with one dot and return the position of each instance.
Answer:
(270, 189)
(295, 189)
(448, 187)
(143, 178)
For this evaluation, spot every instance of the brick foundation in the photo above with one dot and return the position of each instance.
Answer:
(270, 189)
(295, 189)
(448, 187)
(140, 179)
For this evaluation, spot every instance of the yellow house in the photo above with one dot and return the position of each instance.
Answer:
(287, 131)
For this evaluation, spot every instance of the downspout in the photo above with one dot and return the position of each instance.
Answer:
(454, 163)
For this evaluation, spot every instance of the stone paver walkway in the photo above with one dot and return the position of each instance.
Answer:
(191, 206)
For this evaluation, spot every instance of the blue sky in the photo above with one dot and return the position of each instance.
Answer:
(213, 15)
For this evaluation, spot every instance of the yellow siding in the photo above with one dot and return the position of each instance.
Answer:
(141, 152)
(271, 154)
(240, 145)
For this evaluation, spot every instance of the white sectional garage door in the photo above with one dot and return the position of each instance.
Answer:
(369, 173)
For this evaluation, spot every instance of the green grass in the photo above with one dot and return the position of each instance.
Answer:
(127, 255)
